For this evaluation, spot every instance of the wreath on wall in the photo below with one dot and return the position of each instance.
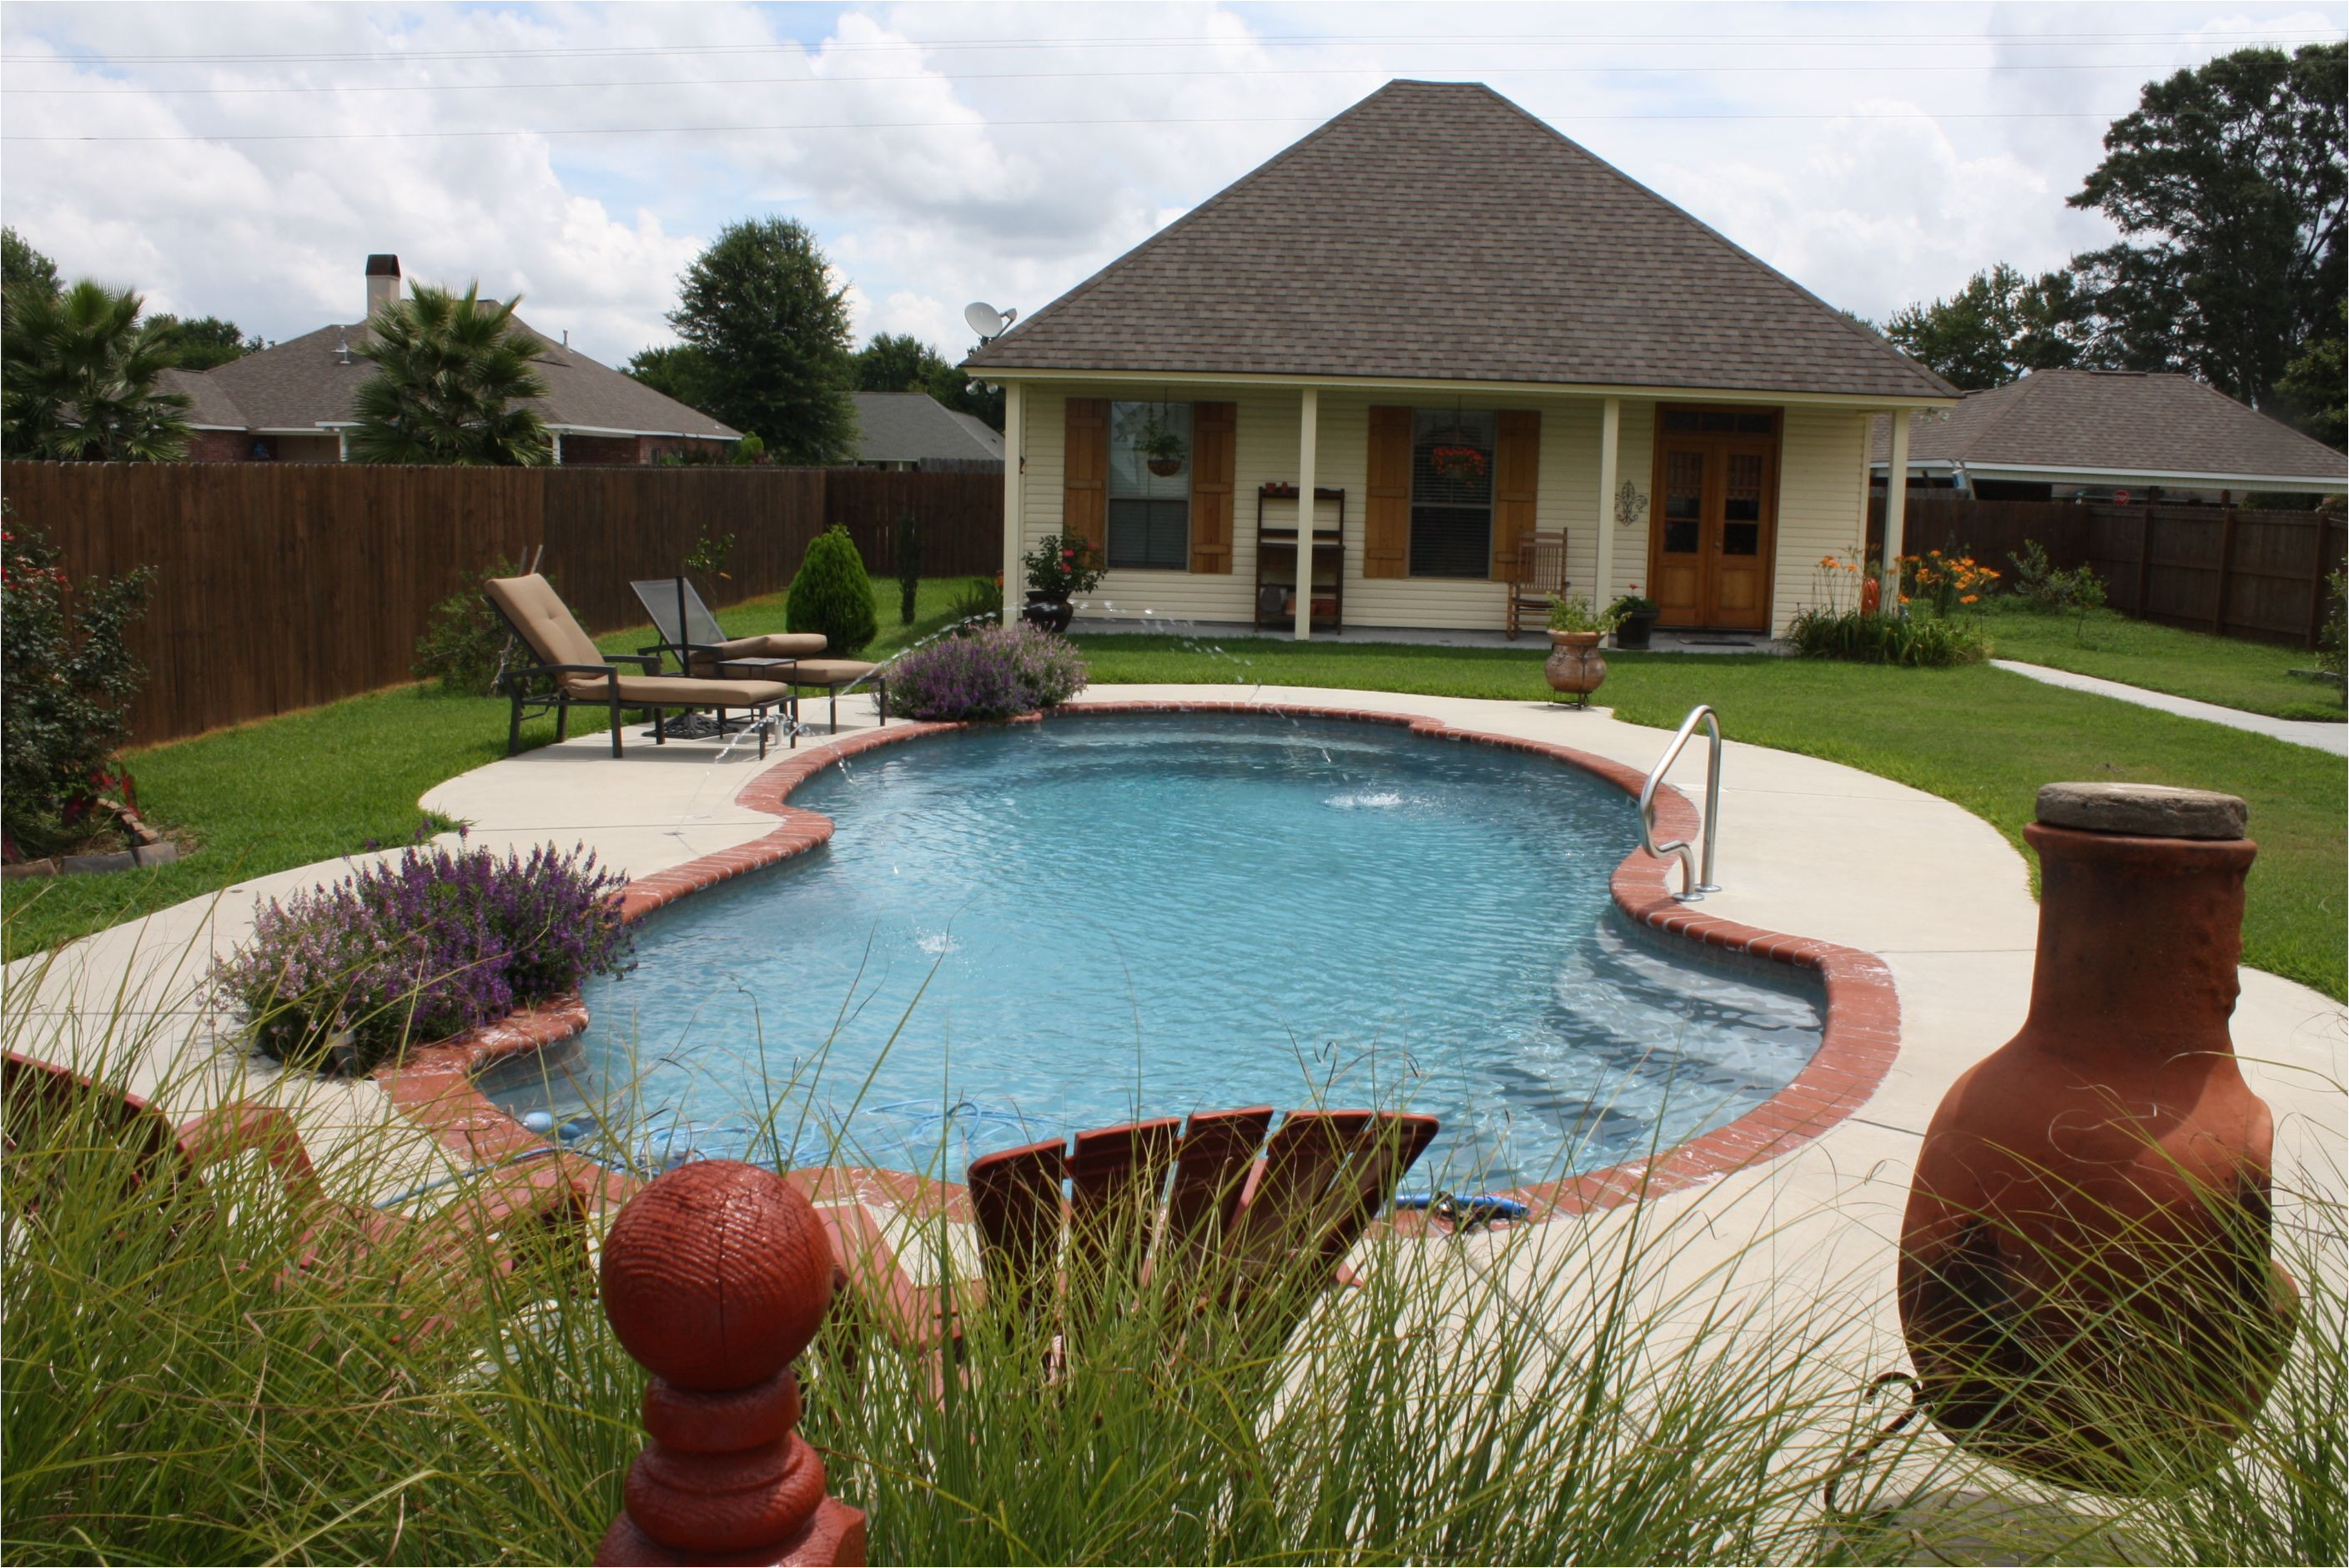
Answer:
(1456, 462)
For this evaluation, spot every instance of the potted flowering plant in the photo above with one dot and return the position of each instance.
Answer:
(1574, 667)
(1457, 462)
(1161, 448)
(1635, 615)
(1060, 566)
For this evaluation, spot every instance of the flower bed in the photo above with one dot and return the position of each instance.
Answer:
(994, 672)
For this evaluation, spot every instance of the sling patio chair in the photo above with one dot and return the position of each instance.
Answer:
(581, 674)
(1540, 573)
(689, 632)
(535, 1209)
(1198, 1199)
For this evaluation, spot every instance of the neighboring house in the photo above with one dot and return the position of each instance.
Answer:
(2056, 434)
(1437, 271)
(291, 401)
(914, 431)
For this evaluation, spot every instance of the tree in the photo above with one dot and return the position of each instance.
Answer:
(2315, 385)
(20, 264)
(1997, 328)
(452, 373)
(900, 362)
(77, 378)
(771, 329)
(208, 341)
(2229, 184)
(675, 371)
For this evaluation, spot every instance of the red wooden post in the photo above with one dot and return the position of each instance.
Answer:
(715, 1277)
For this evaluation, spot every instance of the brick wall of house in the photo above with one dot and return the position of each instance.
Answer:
(219, 446)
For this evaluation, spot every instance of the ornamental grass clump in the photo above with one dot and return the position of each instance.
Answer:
(992, 673)
(420, 949)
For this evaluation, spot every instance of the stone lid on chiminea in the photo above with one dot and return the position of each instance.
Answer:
(2143, 810)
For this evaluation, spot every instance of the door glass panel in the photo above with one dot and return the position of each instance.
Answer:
(1740, 539)
(1680, 420)
(1683, 500)
(1756, 424)
(1741, 506)
(1719, 419)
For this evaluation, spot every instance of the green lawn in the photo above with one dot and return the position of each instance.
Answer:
(321, 783)
(2255, 677)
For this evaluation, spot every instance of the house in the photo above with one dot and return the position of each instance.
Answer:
(2058, 434)
(1453, 327)
(291, 401)
(914, 431)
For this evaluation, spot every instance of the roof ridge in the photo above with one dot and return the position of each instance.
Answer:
(2010, 399)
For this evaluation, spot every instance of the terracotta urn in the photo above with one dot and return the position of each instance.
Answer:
(2085, 1279)
(1575, 666)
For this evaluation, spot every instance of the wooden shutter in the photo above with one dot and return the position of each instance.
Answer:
(1085, 473)
(1386, 518)
(1516, 475)
(1215, 428)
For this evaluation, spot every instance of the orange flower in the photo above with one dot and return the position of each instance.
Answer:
(1968, 598)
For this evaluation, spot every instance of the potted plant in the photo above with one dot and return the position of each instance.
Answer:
(1575, 667)
(1452, 461)
(1635, 616)
(1159, 446)
(1060, 566)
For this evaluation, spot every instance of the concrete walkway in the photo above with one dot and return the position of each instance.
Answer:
(2310, 732)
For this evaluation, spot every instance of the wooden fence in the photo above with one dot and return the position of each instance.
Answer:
(281, 586)
(2235, 571)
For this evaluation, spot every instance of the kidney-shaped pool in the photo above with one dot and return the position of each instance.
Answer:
(1025, 931)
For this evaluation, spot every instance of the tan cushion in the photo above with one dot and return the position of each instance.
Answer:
(773, 645)
(545, 622)
(681, 691)
(827, 671)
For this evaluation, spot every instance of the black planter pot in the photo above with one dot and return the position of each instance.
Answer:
(1046, 612)
(1633, 632)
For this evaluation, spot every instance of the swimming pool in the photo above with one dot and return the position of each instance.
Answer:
(1025, 931)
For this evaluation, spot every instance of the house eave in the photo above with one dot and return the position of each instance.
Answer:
(2180, 477)
(1878, 401)
(666, 435)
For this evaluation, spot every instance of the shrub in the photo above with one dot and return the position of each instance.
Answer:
(67, 679)
(464, 642)
(1063, 565)
(909, 568)
(2038, 584)
(2330, 642)
(982, 599)
(1918, 641)
(993, 672)
(833, 594)
(420, 949)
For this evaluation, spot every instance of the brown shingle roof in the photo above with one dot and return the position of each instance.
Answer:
(211, 406)
(907, 427)
(308, 379)
(2127, 422)
(1437, 229)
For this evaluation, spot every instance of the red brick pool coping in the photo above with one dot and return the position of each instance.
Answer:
(435, 1084)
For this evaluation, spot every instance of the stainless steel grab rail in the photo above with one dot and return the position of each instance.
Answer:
(1691, 887)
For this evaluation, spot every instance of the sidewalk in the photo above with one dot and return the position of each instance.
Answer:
(2309, 732)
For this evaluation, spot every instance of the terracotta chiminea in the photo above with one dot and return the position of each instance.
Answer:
(2085, 1279)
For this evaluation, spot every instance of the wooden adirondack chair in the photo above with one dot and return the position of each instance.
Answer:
(523, 1207)
(1226, 1216)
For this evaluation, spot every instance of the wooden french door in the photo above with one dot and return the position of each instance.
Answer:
(1715, 533)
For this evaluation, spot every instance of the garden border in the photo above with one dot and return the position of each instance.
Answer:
(1859, 1043)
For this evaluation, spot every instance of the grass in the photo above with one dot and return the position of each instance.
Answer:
(311, 786)
(1978, 736)
(2254, 676)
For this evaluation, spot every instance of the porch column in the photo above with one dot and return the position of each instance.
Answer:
(1896, 512)
(1015, 459)
(1308, 434)
(1610, 433)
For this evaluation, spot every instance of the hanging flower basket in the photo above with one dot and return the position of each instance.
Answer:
(1451, 462)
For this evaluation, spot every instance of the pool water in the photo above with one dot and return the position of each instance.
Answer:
(1023, 931)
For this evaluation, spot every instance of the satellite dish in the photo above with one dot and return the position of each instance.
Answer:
(985, 320)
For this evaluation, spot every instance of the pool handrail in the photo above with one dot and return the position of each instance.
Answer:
(1693, 888)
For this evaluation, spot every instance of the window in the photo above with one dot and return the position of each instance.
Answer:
(1451, 493)
(1150, 486)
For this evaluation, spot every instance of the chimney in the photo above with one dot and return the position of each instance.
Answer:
(382, 283)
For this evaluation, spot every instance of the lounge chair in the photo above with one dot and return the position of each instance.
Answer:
(511, 1208)
(689, 632)
(1226, 1216)
(583, 673)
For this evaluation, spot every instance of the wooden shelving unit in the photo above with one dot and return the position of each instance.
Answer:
(1276, 562)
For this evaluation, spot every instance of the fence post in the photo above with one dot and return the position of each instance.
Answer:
(2226, 562)
(715, 1277)
(2143, 609)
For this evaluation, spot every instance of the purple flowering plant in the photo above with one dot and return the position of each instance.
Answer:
(419, 949)
(993, 672)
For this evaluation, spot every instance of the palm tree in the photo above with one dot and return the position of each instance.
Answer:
(80, 372)
(452, 375)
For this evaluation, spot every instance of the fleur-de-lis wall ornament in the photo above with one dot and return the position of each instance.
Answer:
(1631, 506)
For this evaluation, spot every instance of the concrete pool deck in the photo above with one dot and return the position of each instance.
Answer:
(1808, 848)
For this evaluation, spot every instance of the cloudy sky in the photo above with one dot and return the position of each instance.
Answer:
(242, 161)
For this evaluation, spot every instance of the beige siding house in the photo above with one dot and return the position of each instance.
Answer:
(1461, 332)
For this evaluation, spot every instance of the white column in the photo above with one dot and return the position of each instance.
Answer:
(1896, 511)
(1610, 435)
(558, 446)
(1308, 438)
(1015, 459)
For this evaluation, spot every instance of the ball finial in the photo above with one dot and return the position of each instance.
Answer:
(717, 1275)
